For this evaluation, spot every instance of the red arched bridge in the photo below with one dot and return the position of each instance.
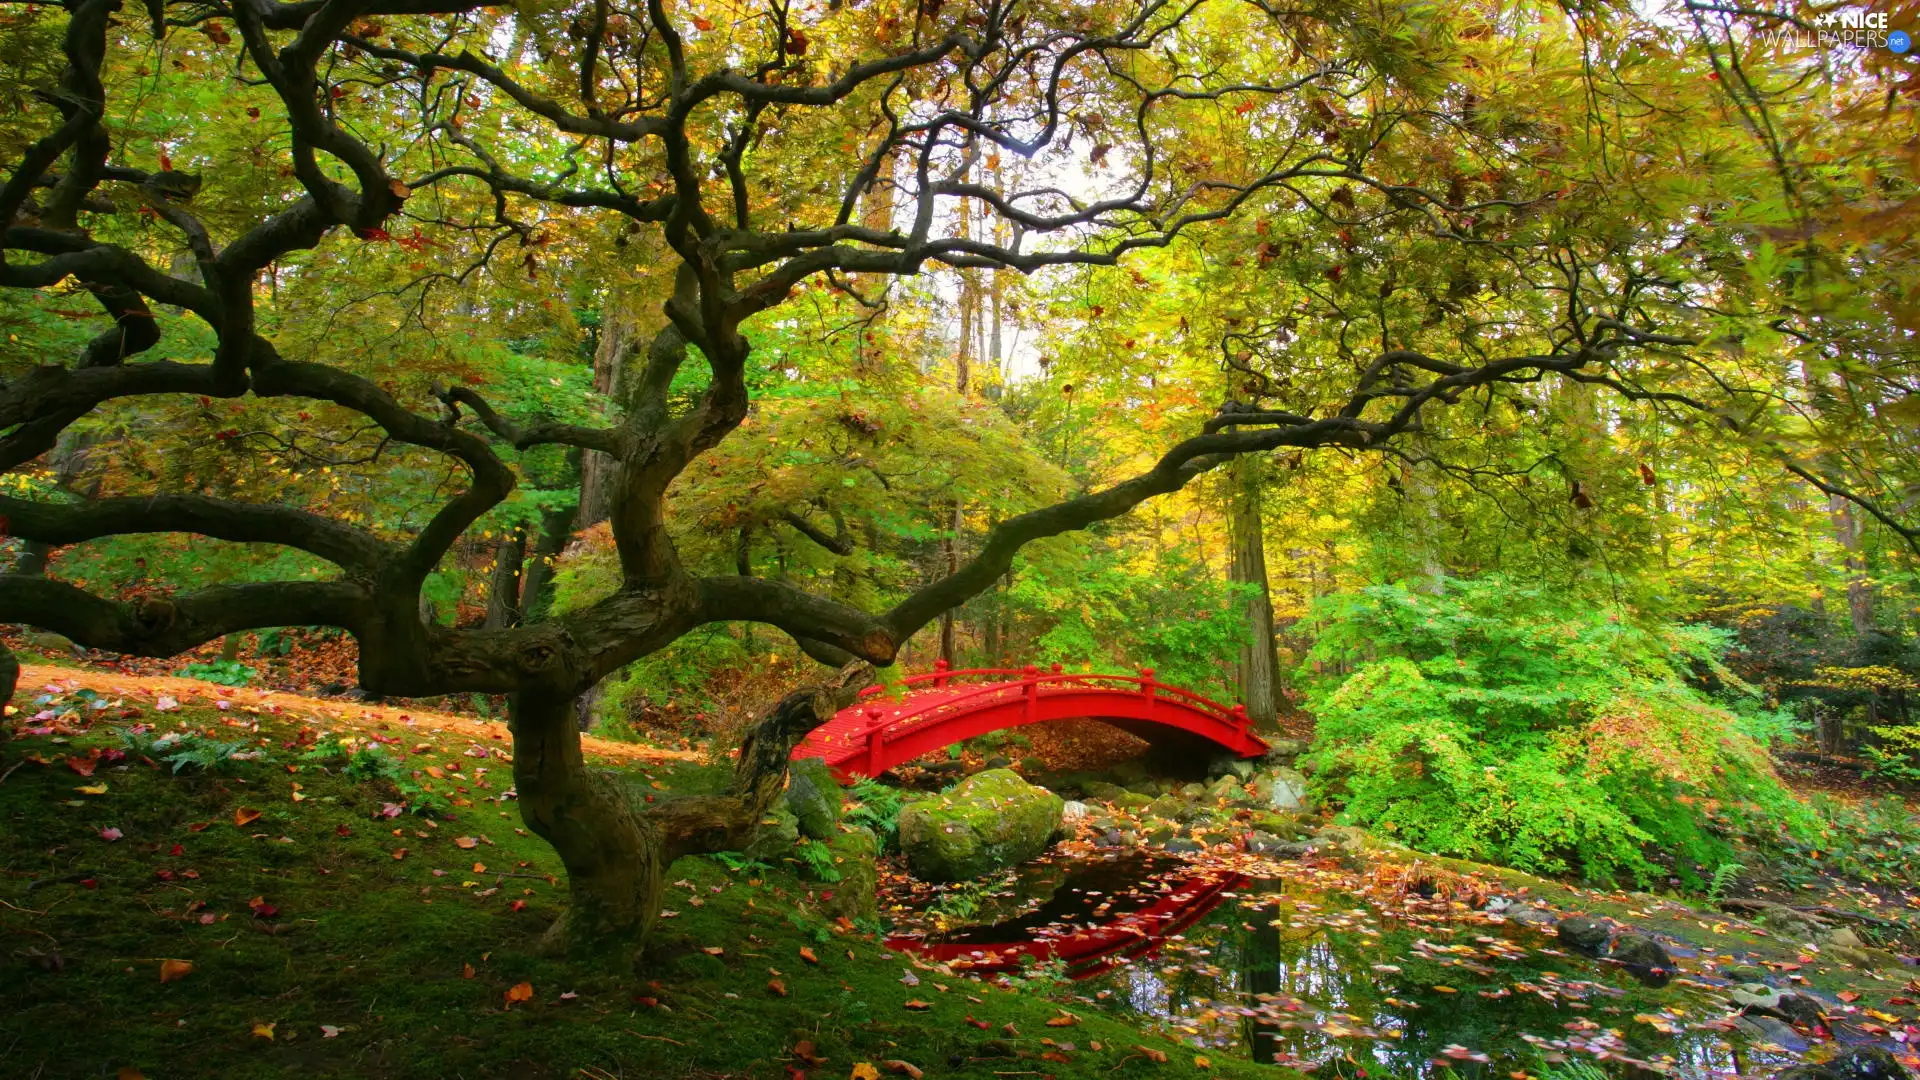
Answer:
(943, 707)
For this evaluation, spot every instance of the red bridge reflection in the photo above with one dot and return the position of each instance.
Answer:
(1089, 931)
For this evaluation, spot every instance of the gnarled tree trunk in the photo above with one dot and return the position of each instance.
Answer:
(617, 847)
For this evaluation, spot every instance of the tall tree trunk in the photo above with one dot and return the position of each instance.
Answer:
(1846, 530)
(616, 848)
(1257, 666)
(556, 528)
(503, 585)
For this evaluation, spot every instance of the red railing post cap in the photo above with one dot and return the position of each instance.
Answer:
(1054, 667)
(1146, 673)
(1030, 670)
(940, 665)
(873, 712)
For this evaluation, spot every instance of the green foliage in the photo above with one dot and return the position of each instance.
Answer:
(816, 858)
(224, 672)
(1505, 724)
(1896, 756)
(876, 806)
(185, 750)
(1724, 876)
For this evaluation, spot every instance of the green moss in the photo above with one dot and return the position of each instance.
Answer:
(990, 820)
(377, 948)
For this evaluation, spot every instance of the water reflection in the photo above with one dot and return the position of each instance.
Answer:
(1282, 971)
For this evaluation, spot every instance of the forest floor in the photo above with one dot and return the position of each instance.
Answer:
(274, 915)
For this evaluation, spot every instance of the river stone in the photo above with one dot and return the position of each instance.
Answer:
(1646, 958)
(1105, 792)
(1132, 801)
(1226, 787)
(855, 855)
(1587, 935)
(1349, 838)
(1110, 839)
(1766, 1029)
(989, 820)
(1528, 915)
(814, 797)
(1166, 807)
(48, 641)
(1283, 751)
(1193, 791)
(1286, 790)
(1868, 1062)
(1263, 843)
(1180, 845)
(1228, 765)
(1162, 833)
(778, 832)
(1072, 812)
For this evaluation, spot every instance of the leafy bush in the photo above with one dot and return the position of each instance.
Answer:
(224, 672)
(1501, 723)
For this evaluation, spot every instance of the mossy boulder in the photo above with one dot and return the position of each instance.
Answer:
(990, 820)
(855, 855)
(814, 796)
(779, 829)
(1131, 801)
(1166, 808)
(1105, 792)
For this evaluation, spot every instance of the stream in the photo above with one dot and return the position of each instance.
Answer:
(1267, 961)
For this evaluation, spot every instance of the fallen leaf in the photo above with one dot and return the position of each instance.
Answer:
(264, 1031)
(896, 1065)
(807, 955)
(713, 950)
(171, 970)
(981, 1024)
(1200, 1062)
(199, 826)
(165, 703)
(779, 988)
(1152, 1054)
(1055, 1056)
(1847, 996)
(519, 992)
(328, 1031)
(804, 1050)
(864, 1071)
(245, 815)
(93, 789)
(1065, 1019)
(465, 842)
(128, 1072)
(466, 971)
(83, 766)
(517, 905)
(110, 834)
(399, 853)
(918, 1005)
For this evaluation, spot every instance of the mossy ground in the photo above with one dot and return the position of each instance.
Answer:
(303, 922)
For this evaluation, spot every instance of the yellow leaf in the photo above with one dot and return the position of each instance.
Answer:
(1200, 1062)
(93, 789)
(264, 1031)
(243, 816)
(864, 1071)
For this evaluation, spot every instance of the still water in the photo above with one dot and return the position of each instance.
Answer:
(1272, 965)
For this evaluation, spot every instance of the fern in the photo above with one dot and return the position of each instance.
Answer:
(223, 672)
(1724, 876)
(876, 806)
(817, 858)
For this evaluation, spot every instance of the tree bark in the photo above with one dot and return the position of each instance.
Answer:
(556, 528)
(503, 585)
(616, 847)
(1257, 666)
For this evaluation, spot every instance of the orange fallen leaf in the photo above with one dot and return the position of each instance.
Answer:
(779, 988)
(479, 868)
(174, 969)
(910, 1070)
(1056, 1057)
(465, 842)
(919, 1006)
(1848, 996)
(713, 950)
(466, 971)
(1154, 1055)
(519, 992)
(864, 1071)
(199, 826)
(1063, 1020)
(805, 1051)
(399, 853)
(807, 955)
(1200, 1062)
(245, 815)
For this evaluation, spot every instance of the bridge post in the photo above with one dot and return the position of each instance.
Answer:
(940, 674)
(1146, 687)
(874, 740)
(1030, 690)
(1240, 719)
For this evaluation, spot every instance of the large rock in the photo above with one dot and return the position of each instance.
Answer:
(1100, 789)
(1132, 801)
(1283, 751)
(1587, 935)
(778, 832)
(1228, 765)
(1646, 958)
(1227, 787)
(854, 855)
(1869, 1062)
(814, 797)
(1073, 812)
(990, 820)
(1283, 789)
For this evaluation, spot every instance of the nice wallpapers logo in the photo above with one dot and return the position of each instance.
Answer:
(1853, 28)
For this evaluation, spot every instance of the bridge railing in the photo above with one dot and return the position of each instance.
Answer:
(1030, 681)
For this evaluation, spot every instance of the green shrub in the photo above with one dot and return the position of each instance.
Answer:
(876, 806)
(224, 672)
(1500, 723)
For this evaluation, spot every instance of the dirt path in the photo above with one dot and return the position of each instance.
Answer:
(39, 678)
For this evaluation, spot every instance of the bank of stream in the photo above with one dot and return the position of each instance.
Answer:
(1402, 969)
